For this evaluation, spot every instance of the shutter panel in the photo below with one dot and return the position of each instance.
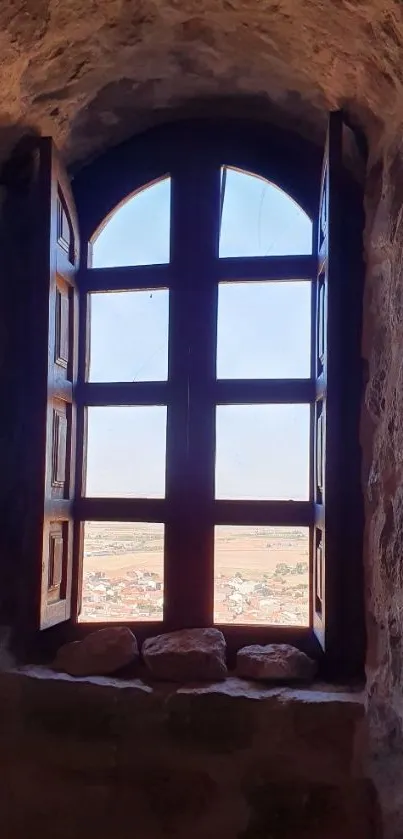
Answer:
(327, 478)
(54, 305)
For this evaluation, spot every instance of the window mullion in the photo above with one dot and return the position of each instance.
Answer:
(264, 513)
(190, 443)
(264, 391)
(123, 393)
(203, 290)
(125, 278)
(268, 268)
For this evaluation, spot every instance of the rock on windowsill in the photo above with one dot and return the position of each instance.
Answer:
(275, 663)
(100, 653)
(186, 655)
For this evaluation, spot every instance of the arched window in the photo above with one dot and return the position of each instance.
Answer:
(209, 409)
(207, 330)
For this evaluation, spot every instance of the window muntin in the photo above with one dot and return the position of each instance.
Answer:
(191, 429)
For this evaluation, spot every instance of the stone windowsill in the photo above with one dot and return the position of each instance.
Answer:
(320, 727)
(228, 759)
(315, 693)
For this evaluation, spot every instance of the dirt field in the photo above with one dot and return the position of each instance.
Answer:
(253, 560)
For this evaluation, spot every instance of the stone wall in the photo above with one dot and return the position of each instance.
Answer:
(96, 758)
(93, 74)
(382, 441)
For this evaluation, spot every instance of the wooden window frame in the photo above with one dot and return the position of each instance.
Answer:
(39, 202)
(189, 510)
(188, 559)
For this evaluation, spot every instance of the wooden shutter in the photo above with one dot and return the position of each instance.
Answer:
(338, 603)
(327, 437)
(63, 256)
(52, 255)
(330, 397)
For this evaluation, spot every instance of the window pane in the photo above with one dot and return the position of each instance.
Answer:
(129, 336)
(123, 571)
(138, 232)
(259, 219)
(126, 452)
(261, 575)
(264, 330)
(262, 452)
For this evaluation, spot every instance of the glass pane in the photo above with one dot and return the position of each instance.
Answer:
(264, 330)
(129, 336)
(123, 571)
(262, 452)
(261, 575)
(126, 452)
(259, 219)
(138, 232)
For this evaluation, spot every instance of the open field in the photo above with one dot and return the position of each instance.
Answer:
(261, 573)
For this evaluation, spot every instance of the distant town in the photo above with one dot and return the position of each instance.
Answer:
(261, 574)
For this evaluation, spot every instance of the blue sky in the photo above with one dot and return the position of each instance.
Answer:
(263, 332)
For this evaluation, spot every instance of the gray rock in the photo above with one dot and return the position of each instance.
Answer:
(275, 662)
(100, 653)
(189, 655)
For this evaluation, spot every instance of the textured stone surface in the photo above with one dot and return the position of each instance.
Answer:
(382, 442)
(186, 655)
(93, 73)
(274, 662)
(227, 761)
(99, 653)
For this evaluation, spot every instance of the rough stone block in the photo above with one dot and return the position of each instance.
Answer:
(275, 662)
(309, 811)
(100, 653)
(189, 655)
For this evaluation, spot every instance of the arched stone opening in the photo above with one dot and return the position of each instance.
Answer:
(94, 76)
